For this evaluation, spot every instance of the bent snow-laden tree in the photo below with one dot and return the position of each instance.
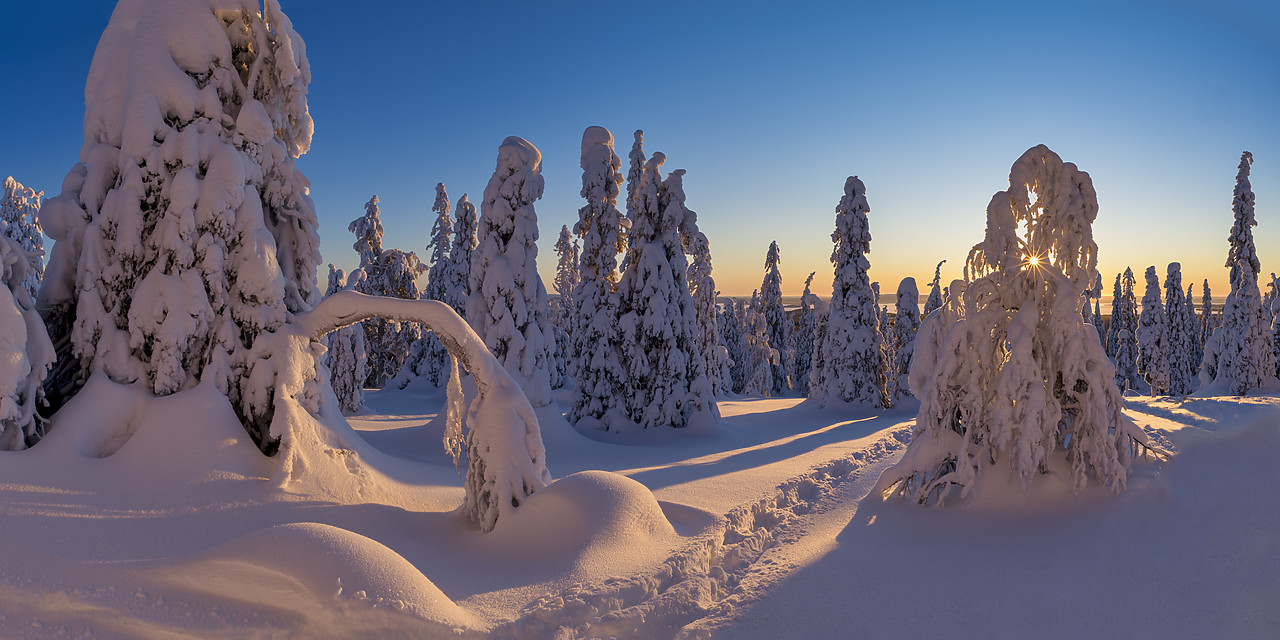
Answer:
(1020, 381)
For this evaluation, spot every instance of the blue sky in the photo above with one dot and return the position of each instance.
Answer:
(769, 106)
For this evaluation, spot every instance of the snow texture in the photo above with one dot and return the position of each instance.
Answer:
(852, 365)
(508, 304)
(1018, 379)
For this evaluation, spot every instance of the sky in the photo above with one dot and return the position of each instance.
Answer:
(769, 106)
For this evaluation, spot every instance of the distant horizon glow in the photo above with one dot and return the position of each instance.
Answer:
(769, 109)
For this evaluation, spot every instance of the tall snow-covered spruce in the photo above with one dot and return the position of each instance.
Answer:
(187, 222)
(775, 317)
(906, 325)
(1020, 387)
(702, 287)
(1180, 331)
(802, 338)
(596, 340)
(1153, 338)
(852, 366)
(347, 356)
(508, 304)
(934, 300)
(464, 245)
(428, 358)
(1239, 355)
(1124, 317)
(665, 372)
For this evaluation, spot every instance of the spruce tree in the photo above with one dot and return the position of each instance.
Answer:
(853, 369)
(1112, 327)
(1124, 319)
(347, 355)
(427, 357)
(464, 245)
(760, 357)
(802, 339)
(732, 339)
(596, 339)
(702, 287)
(20, 211)
(1153, 338)
(562, 308)
(508, 303)
(1180, 324)
(935, 292)
(775, 317)
(906, 324)
(1197, 346)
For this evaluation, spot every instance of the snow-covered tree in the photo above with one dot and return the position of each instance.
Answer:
(1208, 325)
(1019, 378)
(906, 325)
(187, 230)
(1113, 328)
(1153, 338)
(368, 245)
(347, 355)
(427, 358)
(665, 371)
(562, 308)
(760, 357)
(1240, 353)
(1197, 347)
(1275, 321)
(634, 172)
(775, 317)
(702, 287)
(935, 292)
(508, 304)
(732, 338)
(28, 352)
(853, 369)
(802, 339)
(1180, 330)
(464, 245)
(1124, 321)
(596, 339)
(20, 210)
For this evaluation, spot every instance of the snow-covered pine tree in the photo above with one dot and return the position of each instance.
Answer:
(1153, 338)
(1275, 321)
(508, 304)
(802, 339)
(732, 339)
(28, 352)
(188, 223)
(935, 292)
(396, 274)
(634, 172)
(666, 379)
(1018, 385)
(853, 368)
(702, 287)
(775, 317)
(1270, 302)
(377, 331)
(464, 245)
(1124, 320)
(1180, 329)
(1208, 327)
(427, 357)
(347, 355)
(906, 325)
(20, 210)
(596, 340)
(562, 307)
(759, 355)
(1197, 347)
(1112, 328)
(1243, 352)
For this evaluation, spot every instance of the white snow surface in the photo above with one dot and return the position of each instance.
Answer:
(154, 517)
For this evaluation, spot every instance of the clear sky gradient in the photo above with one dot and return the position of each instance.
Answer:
(769, 106)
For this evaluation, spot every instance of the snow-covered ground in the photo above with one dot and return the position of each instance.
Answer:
(762, 528)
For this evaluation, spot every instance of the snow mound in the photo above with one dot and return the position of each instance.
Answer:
(319, 563)
(593, 519)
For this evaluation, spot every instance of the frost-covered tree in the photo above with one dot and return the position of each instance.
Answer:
(1018, 380)
(906, 325)
(664, 369)
(1208, 325)
(427, 357)
(732, 339)
(1124, 320)
(1180, 328)
(634, 172)
(596, 339)
(1153, 338)
(775, 317)
(508, 304)
(460, 252)
(186, 232)
(1112, 328)
(1197, 347)
(28, 352)
(760, 357)
(853, 369)
(562, 308)
(347, 355)
(802, 339)
(1240, 353)
(20, 210)
(702, 287)
(1275, 321)
(935, 292)
(368, 245)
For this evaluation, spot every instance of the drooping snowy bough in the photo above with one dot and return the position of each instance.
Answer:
(506, 460)
(1019, 381)
(25, 350)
